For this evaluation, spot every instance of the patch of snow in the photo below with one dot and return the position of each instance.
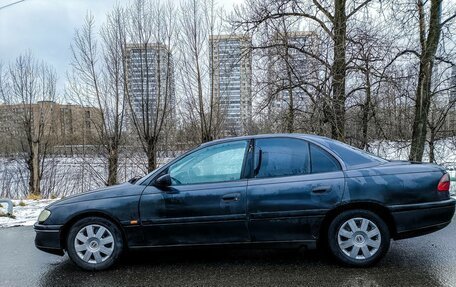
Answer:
(25, 215)
(444, 151)
(453, 187)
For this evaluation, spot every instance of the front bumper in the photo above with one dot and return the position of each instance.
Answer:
(413, 220)
(48, 237)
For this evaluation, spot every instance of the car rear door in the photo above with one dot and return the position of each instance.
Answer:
(206, 202)
(293, 185)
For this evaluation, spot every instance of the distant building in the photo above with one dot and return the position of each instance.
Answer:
(63, 124)
(288, 68)
(150, 77)
(231, 81)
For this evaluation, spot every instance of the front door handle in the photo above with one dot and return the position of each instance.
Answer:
(321, 189)
(231, 197)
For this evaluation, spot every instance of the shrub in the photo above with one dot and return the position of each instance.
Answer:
(34, 196)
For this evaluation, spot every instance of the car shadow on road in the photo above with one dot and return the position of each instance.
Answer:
(238, 267)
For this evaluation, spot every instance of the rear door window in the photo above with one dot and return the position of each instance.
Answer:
(276, 157)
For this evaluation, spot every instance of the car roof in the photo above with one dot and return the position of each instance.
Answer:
(248, 137)
(349, 156)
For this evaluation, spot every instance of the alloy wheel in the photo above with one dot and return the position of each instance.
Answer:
(94, 243)
(359, 238)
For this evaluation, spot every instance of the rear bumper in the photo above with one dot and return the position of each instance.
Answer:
(418, 219)
(47, 238)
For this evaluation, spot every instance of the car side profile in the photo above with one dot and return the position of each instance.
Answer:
(292, 189)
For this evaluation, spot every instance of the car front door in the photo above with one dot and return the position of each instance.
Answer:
(294, 184)
(206, 202)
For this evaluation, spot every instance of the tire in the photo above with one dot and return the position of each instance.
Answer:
(94, 243)
(358, 238)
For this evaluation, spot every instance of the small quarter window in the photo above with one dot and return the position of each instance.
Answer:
(322, 161)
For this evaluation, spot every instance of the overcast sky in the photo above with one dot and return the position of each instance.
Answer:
(46, 27)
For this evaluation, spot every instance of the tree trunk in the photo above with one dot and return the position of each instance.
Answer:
(431, 145)
(204, 135)
(113, 161)
(423, 91)
(421, 114)
(290, 113)
(34, 168)
(339, 68)
(366, 109)
(151, 155)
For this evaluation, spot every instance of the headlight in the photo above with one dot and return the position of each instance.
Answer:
(44, 215)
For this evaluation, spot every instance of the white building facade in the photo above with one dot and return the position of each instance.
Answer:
(231, 80)
(151, 86)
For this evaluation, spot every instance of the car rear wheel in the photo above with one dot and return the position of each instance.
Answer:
(358, 238)
(94, 243)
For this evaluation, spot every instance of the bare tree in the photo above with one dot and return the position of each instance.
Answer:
(32, 85)
(199, 21)
(429, 41)
(423, 24)
(97, 80)
(151, 99)
(443, 103)
(331, 18)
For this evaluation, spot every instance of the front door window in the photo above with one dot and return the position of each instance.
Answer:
(217, 163)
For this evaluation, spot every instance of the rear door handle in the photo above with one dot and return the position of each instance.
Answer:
(231, 197)
(321, 189)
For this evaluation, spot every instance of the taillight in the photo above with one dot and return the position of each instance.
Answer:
(444, 183)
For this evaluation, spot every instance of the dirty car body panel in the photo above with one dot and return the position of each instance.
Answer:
(258, 189)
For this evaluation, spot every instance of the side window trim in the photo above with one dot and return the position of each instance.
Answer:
(246, 160)
(247, 166)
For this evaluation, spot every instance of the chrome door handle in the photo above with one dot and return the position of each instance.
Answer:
(231, 197)
(321, 189)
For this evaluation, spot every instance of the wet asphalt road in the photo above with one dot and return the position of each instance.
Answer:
(424, 261)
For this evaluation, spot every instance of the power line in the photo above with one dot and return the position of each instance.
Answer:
(11, 4)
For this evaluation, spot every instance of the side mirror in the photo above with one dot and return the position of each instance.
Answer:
(163, 181)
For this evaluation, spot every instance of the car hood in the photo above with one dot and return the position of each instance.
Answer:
(121, 190)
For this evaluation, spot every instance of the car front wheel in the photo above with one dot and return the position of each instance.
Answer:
(358, 238)
(94, 243)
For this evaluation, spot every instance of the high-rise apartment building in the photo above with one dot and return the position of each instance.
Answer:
(150, 81)
(231, 80)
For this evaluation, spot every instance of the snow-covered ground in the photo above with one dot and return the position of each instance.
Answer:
(24, 215)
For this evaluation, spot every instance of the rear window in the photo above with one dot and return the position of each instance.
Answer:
(350, 155)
